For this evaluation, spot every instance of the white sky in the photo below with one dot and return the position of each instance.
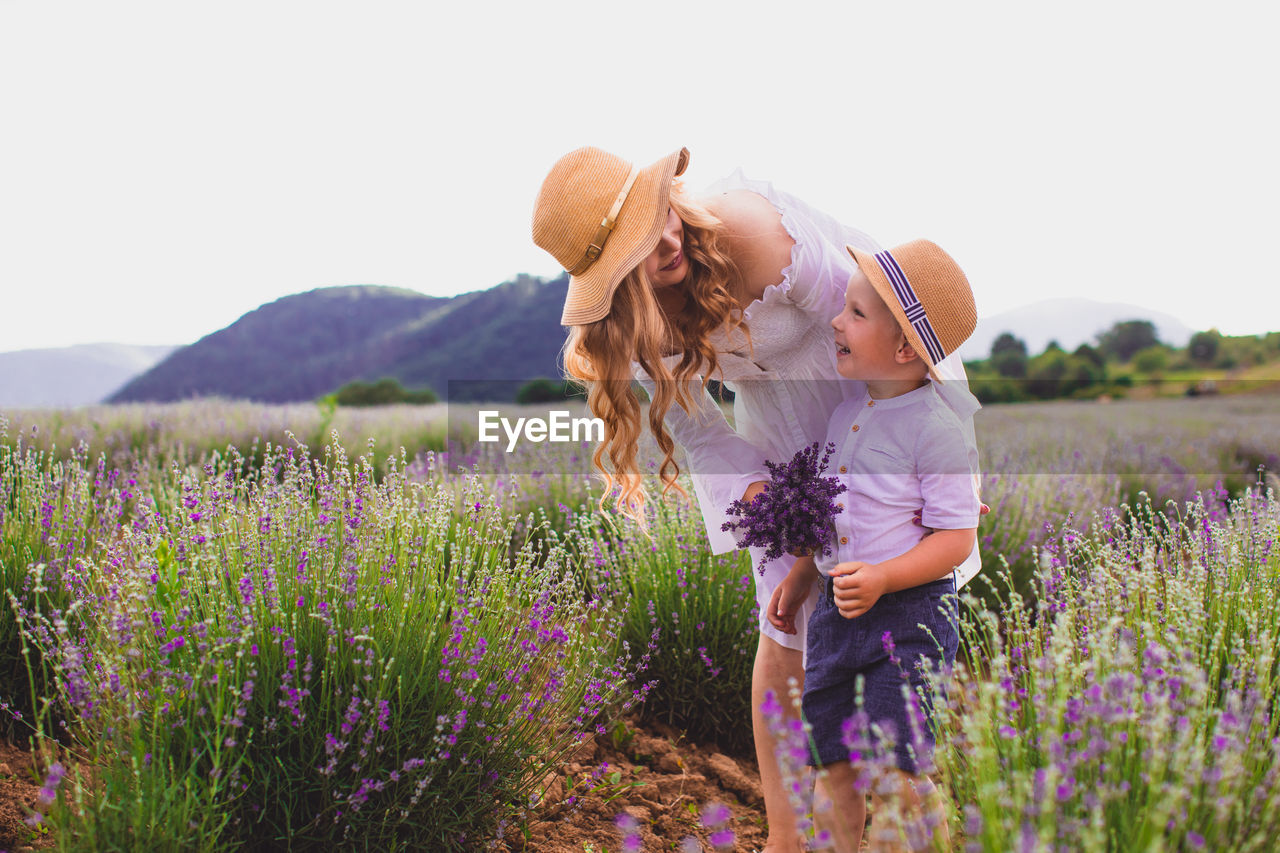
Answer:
(166, 167)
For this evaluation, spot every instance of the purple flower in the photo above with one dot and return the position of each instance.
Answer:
(630, 829)
(716, 817)
(52, 780)
(794, 513)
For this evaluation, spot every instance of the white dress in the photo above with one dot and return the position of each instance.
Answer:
(785, 384)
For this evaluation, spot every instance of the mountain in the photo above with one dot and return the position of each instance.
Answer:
(479, 345)
(1070, 321)
(72, 376)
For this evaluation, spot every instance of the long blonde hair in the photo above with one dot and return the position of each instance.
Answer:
(637, 329)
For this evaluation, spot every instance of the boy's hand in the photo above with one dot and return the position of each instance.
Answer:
(857, 586)
(790, 594)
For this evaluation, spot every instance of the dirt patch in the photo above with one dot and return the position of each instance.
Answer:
(662, 781)
(19, 790)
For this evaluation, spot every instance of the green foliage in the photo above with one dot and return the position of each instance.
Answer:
(1009, 356)
(1010, 365)
(1091, 355)
(1129, 705)
(543, 390)
(990, 387)
(44, 502)
(1126, 338)
(1006, 342)
(1046, 373)
(696, 612)
(1152, 360)
(1246, 350)
(383, 392)
(1203, 347)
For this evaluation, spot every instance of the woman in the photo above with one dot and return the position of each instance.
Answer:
(740, 285)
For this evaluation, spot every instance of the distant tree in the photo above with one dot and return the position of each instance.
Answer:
(1009, 356)
(990, 387)
(1126, 338)
(1151, 360)
(1084, 376)
(1045, 373)
(1091, 355)
(543, 390)
(1203, 347)
(383, 392)
(1242, 351)
(1007, 342)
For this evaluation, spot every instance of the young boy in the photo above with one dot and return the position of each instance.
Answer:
(889, 593)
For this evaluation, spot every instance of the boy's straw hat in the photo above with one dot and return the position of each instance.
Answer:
(928, 294)
(600, 216)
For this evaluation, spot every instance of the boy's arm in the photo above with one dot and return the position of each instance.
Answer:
(858, 585)
(790, 594)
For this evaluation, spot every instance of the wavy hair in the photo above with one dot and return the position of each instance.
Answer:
(638, 331)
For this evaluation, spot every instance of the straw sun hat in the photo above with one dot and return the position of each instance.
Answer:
(928, 294)
(600, 216)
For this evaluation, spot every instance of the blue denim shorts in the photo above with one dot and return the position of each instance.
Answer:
(840, 653)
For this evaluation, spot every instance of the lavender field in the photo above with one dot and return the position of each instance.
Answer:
(233, 626)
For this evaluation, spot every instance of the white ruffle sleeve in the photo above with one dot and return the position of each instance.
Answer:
(722, 464)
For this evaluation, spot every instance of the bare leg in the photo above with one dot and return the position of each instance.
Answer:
(843, 811)
(776, 668)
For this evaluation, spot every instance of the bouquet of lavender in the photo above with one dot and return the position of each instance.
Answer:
(794, 512)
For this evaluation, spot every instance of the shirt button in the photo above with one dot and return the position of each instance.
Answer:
(856, 427)
(844, 470)
(844, 540)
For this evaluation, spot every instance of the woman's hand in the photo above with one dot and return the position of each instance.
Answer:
(787, 596)
(753, 490)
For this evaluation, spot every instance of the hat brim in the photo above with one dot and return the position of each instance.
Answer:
(636, 234)
(880, 281)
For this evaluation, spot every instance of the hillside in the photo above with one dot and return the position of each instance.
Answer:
(309, 344)
(71, 376)
(1070, 321)
(481, 345)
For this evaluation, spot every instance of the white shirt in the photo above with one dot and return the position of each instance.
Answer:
(899, 457)
(786, 385)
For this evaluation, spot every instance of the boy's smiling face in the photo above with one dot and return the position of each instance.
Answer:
(868, 337)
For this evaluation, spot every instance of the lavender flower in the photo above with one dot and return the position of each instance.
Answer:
(794, 512)
(629, 827)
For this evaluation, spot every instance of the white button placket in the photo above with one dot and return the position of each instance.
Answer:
(849, 447)
(844, 529)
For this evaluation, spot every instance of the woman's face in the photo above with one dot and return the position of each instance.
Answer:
(666, 264)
